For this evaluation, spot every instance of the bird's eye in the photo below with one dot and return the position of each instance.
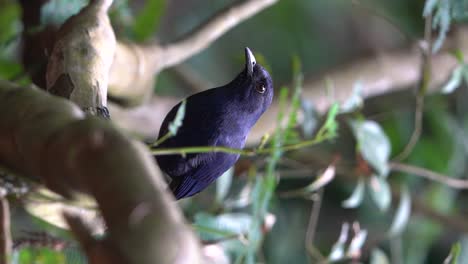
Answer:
(260, 88)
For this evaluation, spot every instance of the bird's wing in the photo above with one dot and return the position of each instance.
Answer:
(207, 167)
(199, 131)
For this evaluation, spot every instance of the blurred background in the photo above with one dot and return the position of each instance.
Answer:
(392, 214)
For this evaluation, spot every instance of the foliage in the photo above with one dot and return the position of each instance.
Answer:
(443, 12)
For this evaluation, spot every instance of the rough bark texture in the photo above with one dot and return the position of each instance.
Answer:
(78, 68)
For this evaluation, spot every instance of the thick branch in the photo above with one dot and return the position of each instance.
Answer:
(78, 68)
(49, 137)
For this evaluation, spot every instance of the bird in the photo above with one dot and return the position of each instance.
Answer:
(221, 116)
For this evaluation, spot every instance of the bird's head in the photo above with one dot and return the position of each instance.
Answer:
(257, 85)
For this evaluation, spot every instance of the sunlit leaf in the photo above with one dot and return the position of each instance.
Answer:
(310, 121)
(355, 246)
(241, 200)
(356, 197)
(441, 20)
(355, 101)
(322, 179)
(429, 7)
(402, 215)
(380, 192)
(215, 253)
(212, 227)
(223, 183)
(379, 257)
(373, 144)
(179, 118)
(454, 81)
(338, 250)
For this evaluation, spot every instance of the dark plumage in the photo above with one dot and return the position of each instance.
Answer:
(220, 116)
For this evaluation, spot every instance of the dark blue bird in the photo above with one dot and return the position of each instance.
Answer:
(221, 116)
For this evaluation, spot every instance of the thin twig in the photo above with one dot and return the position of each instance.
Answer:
(396, 250)
(243, 152)
(5, 233)
(423, 87)
(428, 174)
(202, 36)
(312, 227)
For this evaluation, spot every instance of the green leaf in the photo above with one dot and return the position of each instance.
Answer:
(223, 183)
(179, 118)
(429, 7)
(330, 126)
(379, 257)
(323, 179)
(147, 21)
(38, 255)
(221, 226)
(458, 54)
(338, 250)
(354, 249)
(455, 251)
(380, 192)
(441, 20)
(9, 69)
(454, 81)
(355, 101)
(10, 23)
(373, 144)
(402, 215)
(310, 122)
(356, 197)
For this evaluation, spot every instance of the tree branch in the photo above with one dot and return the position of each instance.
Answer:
(428, 174)
(201, 37)
(5, 232)
(426, 72)
(385, 73)
(134, 67)
(49, 137)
